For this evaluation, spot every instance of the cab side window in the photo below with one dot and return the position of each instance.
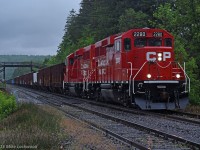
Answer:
(127, 44)
(71, 61)
(117, 45)
(168, 42)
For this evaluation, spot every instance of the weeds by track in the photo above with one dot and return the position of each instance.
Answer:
(179, 115)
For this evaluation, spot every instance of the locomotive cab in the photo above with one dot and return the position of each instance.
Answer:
(68, 84)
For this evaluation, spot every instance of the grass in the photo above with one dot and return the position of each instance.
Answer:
(31, 126)
(45, 128)
(7, 104)
(193, 109)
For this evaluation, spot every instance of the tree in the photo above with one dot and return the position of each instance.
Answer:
(87, 37)
(180, 19)
(131, 19)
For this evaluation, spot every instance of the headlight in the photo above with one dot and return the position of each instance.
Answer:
(178, 76)
(159, 58)
(148, 76)
(159, 54)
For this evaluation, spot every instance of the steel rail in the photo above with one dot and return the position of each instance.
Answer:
(131, 124)
(134, 111)
(197, 116)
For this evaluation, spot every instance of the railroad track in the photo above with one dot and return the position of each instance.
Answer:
(195, 118)
(173, 115)
(135, 134)
(170, 114)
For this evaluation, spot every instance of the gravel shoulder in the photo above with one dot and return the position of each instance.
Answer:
(83, 136)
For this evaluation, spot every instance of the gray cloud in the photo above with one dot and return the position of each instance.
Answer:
(33, 27)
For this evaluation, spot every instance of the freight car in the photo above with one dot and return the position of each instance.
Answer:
(134, 68)
(27, 80)
(57, 77)
(51, 78)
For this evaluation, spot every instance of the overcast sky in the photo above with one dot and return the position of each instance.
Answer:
(33, 27)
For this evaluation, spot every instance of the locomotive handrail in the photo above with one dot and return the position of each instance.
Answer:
(85, 79)
(186, 77)
(162, 66)
(136, 76)
(130, 77)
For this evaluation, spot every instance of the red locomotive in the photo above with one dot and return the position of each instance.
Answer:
(136, 67)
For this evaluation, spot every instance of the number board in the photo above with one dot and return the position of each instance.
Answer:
(158, 34)
(139, 34)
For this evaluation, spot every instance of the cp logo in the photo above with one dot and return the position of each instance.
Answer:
(152, 56)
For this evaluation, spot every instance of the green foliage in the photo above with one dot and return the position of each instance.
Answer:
(192, 71)
(50, 61)
(131, 19)
(182, 19)
(166, 17)
(7, 104)
(87, 37)
(180, 51)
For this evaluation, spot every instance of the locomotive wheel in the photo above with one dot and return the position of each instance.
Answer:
(82, 94)
(97, 95)
(126, 100)
(126, 103)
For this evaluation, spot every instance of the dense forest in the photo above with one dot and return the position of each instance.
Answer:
(98, 19)
(13, 72)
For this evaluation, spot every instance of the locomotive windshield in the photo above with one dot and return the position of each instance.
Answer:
(155, 42)
(142, 42)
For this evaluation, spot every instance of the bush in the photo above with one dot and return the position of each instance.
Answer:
(7, 104)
